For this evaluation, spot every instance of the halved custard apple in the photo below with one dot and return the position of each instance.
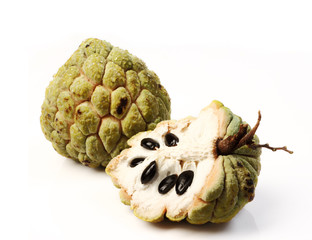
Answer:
(203, 169)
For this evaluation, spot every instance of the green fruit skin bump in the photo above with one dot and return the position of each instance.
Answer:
(97, 100)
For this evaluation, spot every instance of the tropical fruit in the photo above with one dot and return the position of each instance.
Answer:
(203, 169)
(98, 99)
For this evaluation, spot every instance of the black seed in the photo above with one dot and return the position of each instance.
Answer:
(171, 140)
(184, 181)
(149, 144)
(167, 183)
(136, 162)
(88, 45)
(149, 172)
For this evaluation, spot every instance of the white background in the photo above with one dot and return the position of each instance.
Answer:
(250, 55)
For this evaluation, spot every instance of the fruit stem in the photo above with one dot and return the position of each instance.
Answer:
(247, 139)
(230, 144)
(254, 146)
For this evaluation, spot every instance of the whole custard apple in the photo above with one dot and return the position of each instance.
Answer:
(97, 100)
(203, 169)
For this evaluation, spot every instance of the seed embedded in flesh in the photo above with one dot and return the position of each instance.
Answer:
(171, 140)
(167, 183)
(184, 181)
(149, 172)
(149, 143)
(136, 162)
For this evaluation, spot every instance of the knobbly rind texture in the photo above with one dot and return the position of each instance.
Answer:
(229, 184)
(97, 100)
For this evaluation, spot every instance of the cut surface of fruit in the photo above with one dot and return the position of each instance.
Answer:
(184, 175)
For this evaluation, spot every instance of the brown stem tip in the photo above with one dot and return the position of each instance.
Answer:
(254, 146)
(241, 138)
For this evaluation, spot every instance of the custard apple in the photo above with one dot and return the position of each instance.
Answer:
(98, 99)
(203, 169)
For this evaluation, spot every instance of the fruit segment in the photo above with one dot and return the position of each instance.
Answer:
(177, 171)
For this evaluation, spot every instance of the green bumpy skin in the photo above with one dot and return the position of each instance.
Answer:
(97, 100)
(236, 180)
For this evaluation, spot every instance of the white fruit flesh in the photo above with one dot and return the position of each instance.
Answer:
(195, 151)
